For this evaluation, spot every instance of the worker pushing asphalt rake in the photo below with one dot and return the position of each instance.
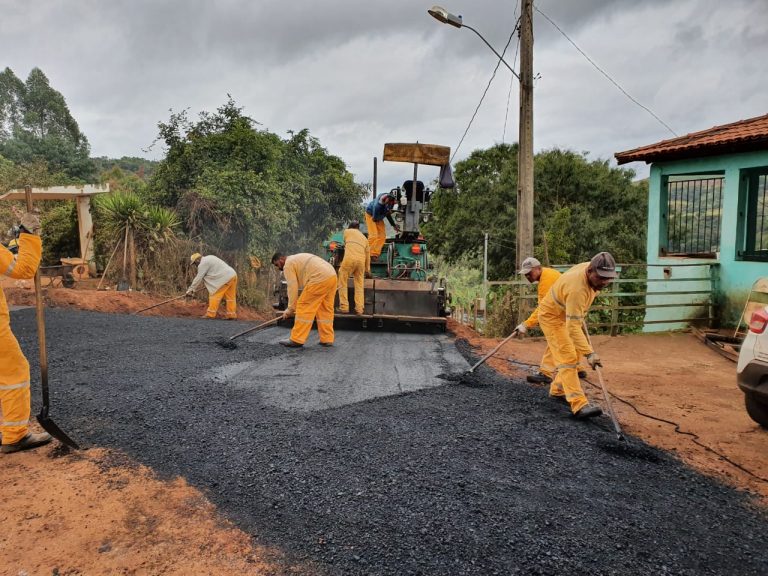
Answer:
(229, 344)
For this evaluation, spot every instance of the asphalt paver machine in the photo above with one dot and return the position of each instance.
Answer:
(403, 290)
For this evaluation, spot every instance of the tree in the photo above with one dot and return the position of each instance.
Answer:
(581, 207)
(36, 124)
(238, 188)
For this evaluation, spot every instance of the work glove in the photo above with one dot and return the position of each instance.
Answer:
(190, 293)
(30, 223)
(288, 314)
(594, 360)
(368, 274)
(522, 329)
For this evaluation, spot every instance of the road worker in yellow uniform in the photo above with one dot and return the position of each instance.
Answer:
(375, 211)
(561, 317)
(317, 281)
(357, 262)
(533, 271)
(15, 398)
(221, 281)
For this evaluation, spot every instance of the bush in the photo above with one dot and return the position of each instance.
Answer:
(60, 236)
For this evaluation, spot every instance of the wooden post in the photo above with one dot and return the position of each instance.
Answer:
(85, 227)
(615, 288)
(525, 149)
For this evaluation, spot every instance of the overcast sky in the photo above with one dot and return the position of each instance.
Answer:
(359, 73)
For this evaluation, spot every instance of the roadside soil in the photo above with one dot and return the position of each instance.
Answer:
(97, 512)
(672, 376)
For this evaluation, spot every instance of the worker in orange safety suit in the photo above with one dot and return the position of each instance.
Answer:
(317, 281)
(375, 212)
(561, 317)
(357, 262)
(533, 271)
(14, 369)
(221, 281)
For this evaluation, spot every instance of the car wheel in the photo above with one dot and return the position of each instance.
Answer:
(757, 408)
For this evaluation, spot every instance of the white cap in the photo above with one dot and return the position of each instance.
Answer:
(528, 265)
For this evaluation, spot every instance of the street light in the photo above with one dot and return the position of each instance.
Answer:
(441, 14)
(525, 140)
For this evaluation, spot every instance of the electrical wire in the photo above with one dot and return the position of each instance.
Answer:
(604, 73)
(490, 81)
(497, 243)
(694, 437)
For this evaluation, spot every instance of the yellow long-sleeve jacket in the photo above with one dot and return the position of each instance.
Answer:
(302, 269)
(568, 302)
(23, 265)
(546, 281)
(356, 246)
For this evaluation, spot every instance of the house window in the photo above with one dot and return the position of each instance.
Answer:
(694, 206)
(756, 225)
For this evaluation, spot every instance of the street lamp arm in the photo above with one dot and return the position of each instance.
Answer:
(492, 49)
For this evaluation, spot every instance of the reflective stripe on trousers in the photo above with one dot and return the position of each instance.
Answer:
(315, 303)
(14, 388)
(356, 267)
(567, 361)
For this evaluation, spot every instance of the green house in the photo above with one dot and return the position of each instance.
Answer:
(707, 222)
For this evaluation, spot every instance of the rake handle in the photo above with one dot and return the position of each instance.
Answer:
(262, 325)
(160, 304)
(492, 352)
(608, 404)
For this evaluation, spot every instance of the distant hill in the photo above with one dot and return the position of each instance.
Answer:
(140, 167)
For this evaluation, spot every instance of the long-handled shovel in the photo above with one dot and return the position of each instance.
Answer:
(160, 304)
(229, 343)
(43, 418)
(611, 413)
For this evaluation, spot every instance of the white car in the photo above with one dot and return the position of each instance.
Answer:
(752, 369)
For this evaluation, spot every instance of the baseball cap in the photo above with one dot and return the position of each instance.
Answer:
(604, 264)
(528, 265)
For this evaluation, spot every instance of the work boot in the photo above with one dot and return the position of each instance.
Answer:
(340, 311)
(588, 412)
(290, 344)
(27, 443)
(582, 374)
(539, 378)
(326, 344)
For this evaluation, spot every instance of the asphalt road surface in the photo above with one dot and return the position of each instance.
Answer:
(360, 460)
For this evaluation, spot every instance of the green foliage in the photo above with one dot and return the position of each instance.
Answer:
(581, 207)
(59, 233)
(464, 277)
(240, 188)
(36, 124)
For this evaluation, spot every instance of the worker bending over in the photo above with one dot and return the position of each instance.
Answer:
(220, 280)
(15, 399)
(533, 271)
(375, 212)
(561, 317)
(357, 262)
(317, 281)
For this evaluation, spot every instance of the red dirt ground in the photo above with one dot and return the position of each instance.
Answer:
(97, 512)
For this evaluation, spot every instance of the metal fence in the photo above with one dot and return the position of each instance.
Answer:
(646, 297)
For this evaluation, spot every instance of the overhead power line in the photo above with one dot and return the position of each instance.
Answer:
(484, 93)
(604, 73)
(511, 80)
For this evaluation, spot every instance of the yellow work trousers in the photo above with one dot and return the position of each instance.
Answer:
(227, 292)
(547, 366)
(315, 303)
(377, 235)
(14, 387)
(355, 267)
(566, 362)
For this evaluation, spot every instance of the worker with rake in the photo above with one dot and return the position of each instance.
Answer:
(533, 271)
(561, 317)
(317, 281)
(221, 281)
(357, 262)
(15, 398)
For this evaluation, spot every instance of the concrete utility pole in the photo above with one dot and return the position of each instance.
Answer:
(525, 143)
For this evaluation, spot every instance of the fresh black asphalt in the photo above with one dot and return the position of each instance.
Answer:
(490, 478)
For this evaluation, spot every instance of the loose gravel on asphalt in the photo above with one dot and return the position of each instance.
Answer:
(316, 451)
